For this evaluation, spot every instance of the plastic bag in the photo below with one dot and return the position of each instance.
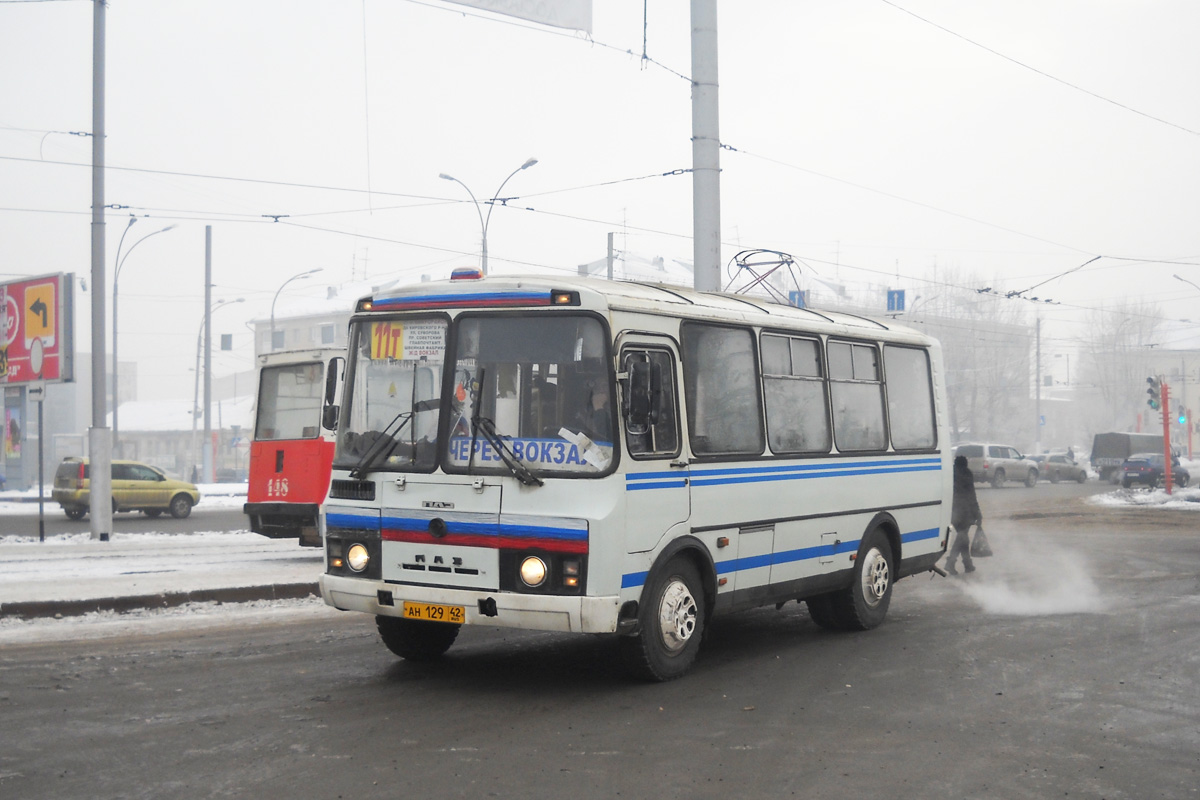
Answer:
(980, 548)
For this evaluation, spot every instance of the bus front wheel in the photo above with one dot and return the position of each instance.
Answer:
(414, 639)
(671, 621)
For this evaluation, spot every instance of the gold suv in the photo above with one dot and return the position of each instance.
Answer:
(135, 487)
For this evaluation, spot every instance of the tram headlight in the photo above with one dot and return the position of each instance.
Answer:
(533, 571)
(357, 557)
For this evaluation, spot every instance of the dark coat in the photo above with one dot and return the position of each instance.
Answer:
(965, 511)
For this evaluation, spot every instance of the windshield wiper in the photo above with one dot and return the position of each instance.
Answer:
(523, 473)
(386, 443)
(480, 423)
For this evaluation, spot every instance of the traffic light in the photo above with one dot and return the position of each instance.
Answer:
(1155, 392)
(1182, 417)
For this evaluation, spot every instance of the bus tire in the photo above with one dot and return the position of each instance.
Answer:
(823, 612)
(74, 512)
(414, 639)
(864, 603)
(671, 619)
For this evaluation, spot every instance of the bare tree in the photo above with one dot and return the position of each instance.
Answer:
(987, 346)
(1115, 363)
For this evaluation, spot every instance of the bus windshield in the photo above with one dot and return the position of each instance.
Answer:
(392, 397)
(289, 402)
(534, 390)
(529, 395)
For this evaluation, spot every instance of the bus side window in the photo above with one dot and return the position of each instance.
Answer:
(660, 437)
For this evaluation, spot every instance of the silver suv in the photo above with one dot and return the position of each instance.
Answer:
(997, 463)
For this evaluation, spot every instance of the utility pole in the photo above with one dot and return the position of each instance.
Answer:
(99, 441)
(1166, 415)
(1037, 439)
(610, 255)
(206, 443)
(706, 149)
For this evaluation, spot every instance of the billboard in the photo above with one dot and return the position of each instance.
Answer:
(36, 335)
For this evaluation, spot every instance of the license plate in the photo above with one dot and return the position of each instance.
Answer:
(432, 612)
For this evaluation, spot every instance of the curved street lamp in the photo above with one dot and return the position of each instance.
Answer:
(280, 289)
(1185, 280)
(120, 262)
(483, 221)
(196, 393)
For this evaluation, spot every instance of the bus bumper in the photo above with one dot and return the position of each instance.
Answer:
(499, 609)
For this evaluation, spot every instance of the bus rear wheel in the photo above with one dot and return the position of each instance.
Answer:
(671, 621)
(864, 603)
(823, 612)
(414, 639)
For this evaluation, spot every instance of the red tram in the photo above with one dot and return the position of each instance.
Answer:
(292, 451)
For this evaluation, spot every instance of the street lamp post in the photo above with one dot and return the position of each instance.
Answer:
(116, 383)
(483, 221)
(196, 394)
(280, 289)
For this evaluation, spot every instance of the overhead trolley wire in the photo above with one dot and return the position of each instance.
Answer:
(1043, 73)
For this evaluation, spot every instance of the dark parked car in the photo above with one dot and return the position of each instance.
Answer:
(1148, 468)
(1057, 468)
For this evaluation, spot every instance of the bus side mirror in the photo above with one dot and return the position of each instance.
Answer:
(331, 380)
(644, 382)
(329, 414)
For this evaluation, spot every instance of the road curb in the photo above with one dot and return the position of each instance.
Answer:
(34, 609)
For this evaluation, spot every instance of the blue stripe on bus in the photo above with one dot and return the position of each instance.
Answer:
(786, 556)
(634, 579)
(360, 522)
(734, 475)
(835, 473)
(423, 299)
(917, 536)
(489, 528)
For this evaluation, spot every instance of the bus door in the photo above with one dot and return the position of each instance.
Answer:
(657, 490)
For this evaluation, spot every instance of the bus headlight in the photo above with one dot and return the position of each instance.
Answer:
(533, 571)
(357, 557)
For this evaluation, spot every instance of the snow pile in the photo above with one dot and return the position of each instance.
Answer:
(1185, 498)
(193, 617)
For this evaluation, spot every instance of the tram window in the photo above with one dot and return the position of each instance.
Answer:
(794, 394)
(857, 396)
(910, 397)
(720, 372)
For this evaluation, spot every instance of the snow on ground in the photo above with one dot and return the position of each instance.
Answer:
(1183, 499)
(189, 618)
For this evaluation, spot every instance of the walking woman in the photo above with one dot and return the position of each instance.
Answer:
(963, 514)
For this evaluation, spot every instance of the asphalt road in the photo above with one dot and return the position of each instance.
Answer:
(216, 518)
(1066, 666)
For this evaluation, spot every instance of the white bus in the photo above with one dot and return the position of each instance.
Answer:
(752, 453)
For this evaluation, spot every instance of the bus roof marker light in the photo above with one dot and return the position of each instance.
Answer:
(466, 274)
